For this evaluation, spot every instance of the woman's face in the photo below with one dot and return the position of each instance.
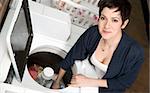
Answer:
(110, 23)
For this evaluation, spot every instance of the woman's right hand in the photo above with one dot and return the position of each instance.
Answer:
(56, 85)
(57, 82)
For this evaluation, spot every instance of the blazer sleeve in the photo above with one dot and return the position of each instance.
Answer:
(134, 60)
(78, 51)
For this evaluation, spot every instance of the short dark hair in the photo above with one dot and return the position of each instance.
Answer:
(123, 6)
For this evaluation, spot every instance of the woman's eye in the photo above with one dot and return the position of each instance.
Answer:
(114, 20)
(102, 18)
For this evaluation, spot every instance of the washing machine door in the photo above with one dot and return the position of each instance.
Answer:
(19, 37)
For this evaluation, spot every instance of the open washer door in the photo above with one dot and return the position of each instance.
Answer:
(19, 36)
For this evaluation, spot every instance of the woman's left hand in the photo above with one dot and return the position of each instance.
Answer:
(79, 81)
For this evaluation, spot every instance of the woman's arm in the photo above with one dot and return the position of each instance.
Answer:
(79, 51)
(56, 83)
(83, 81)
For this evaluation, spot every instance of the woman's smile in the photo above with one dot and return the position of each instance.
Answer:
(106, 31)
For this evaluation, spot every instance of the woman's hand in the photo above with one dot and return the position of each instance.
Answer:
(80, 80)
(57, 79)
(83, 81)
(55, 85)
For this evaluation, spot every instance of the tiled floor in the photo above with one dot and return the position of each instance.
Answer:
(136, 29)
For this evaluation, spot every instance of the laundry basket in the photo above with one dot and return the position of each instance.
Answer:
(84, 13)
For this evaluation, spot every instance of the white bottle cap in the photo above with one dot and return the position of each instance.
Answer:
(48, 73)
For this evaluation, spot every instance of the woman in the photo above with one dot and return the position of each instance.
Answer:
(115, 56)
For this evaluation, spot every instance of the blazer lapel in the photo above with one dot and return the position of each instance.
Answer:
(118, 59)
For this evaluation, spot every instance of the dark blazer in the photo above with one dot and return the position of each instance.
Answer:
(124, 65)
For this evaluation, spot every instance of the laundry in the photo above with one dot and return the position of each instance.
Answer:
(35, 70)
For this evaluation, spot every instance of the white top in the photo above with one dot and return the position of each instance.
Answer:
(99, 67)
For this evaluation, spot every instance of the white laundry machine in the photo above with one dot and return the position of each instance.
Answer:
(46, 30)
(52, 38)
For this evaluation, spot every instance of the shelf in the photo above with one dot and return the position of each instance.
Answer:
(84, 13)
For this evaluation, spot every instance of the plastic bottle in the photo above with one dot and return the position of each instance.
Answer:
(45, 76)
